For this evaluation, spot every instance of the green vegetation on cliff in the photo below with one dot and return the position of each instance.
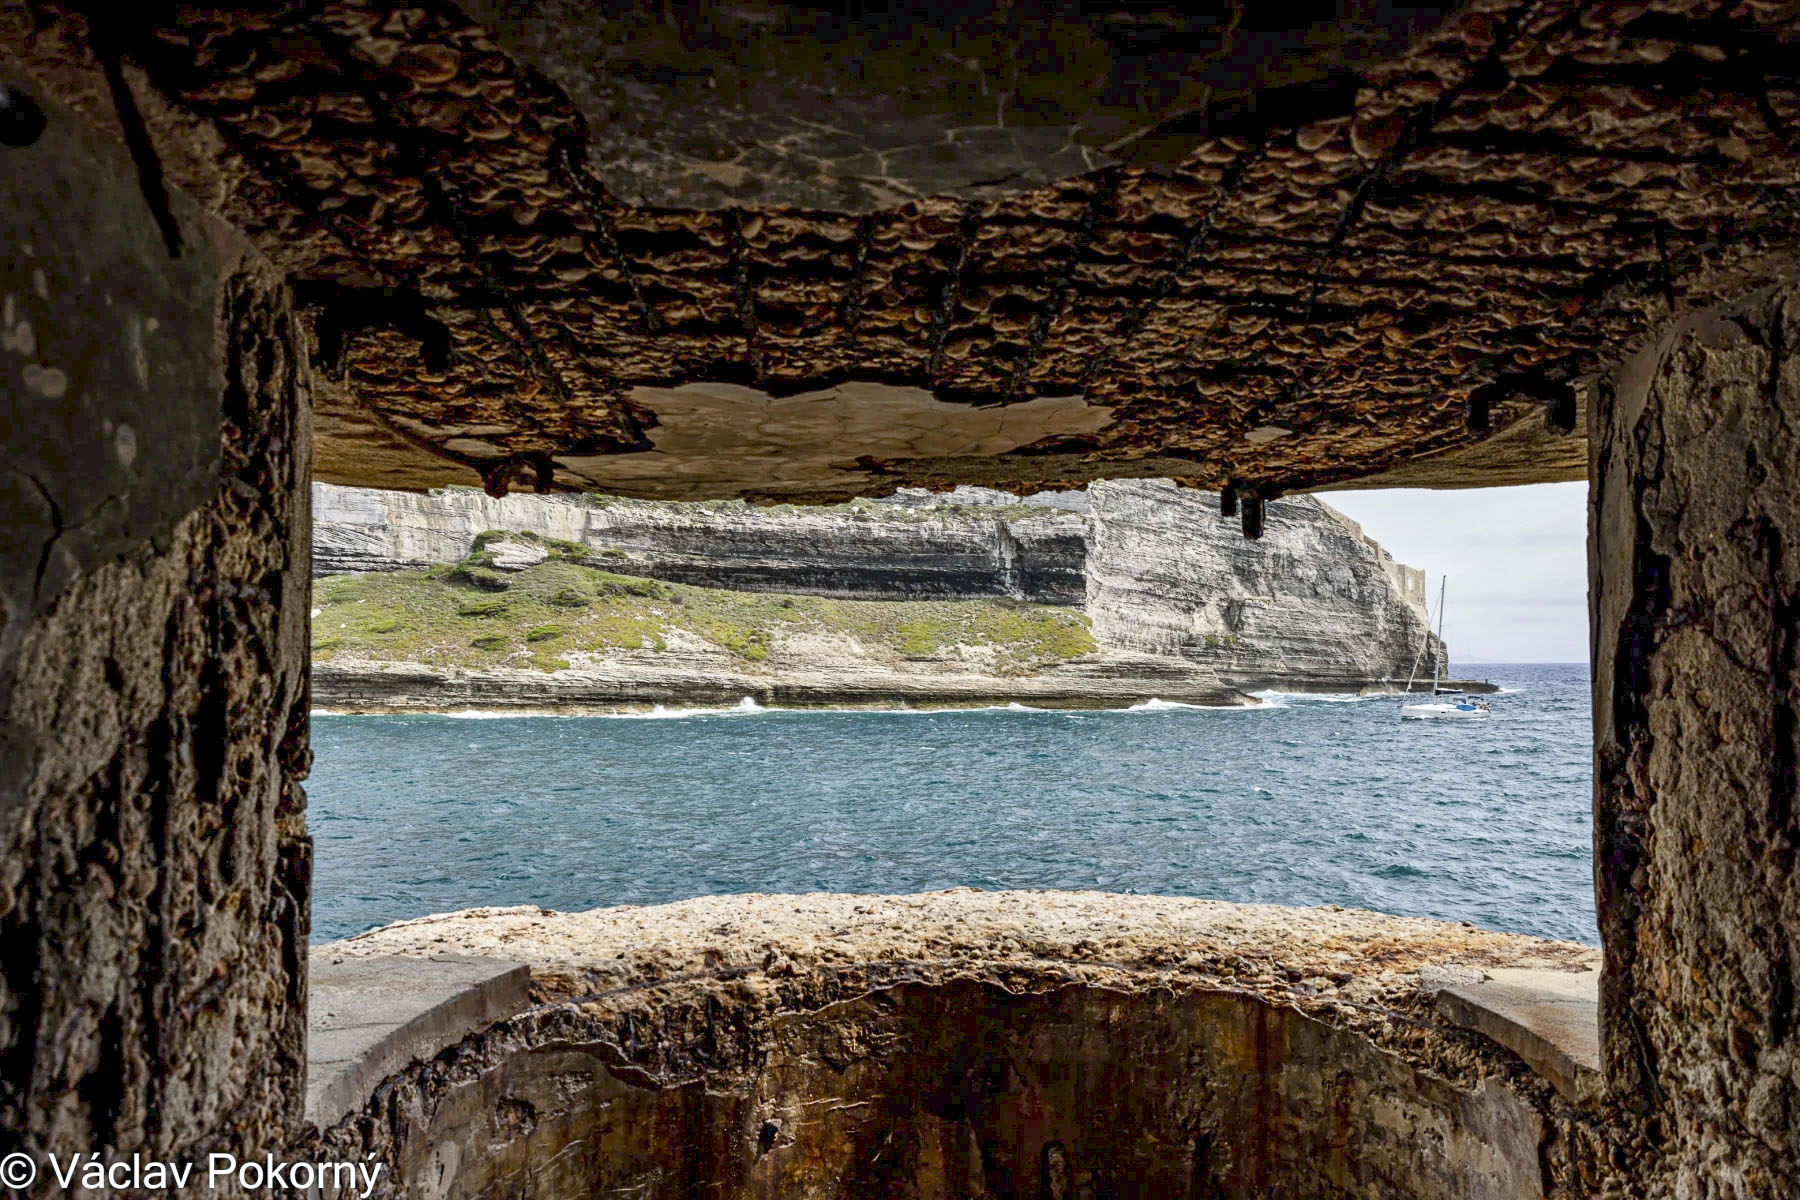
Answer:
(475, 615)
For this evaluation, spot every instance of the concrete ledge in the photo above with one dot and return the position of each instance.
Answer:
(968, 1043)
(1551, 1019)
(367, 1018)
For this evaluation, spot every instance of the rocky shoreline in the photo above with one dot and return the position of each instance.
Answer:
(1115, 680)
(1112, 680)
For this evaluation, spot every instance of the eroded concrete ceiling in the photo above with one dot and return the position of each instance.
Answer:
(1374, 243)
(862, 107)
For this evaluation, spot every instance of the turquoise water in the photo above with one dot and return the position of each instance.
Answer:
(1307, 800)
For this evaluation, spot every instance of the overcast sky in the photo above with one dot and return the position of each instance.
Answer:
(1516, 558)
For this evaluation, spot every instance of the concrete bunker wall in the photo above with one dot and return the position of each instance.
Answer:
(154, 865)
(956, 1089)
(1696, 616)
(153, 889)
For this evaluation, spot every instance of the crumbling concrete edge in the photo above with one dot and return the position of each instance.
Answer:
(1537, 1024)
(402, 1010)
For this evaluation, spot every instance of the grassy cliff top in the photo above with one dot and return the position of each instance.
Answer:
(472, 615)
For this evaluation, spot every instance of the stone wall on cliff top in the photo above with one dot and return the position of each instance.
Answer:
(1315, 600)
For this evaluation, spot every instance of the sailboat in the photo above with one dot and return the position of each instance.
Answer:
(1460, 709)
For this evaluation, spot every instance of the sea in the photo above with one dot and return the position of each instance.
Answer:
(1304, 799)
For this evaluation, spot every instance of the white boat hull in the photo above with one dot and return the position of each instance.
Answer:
(1460, 709)
(1443, 712)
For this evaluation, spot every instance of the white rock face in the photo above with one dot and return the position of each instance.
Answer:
(914, 550)
(364, 529)
(1313, 604)
(516, 556)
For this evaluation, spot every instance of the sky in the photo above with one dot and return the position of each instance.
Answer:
(1516, 560)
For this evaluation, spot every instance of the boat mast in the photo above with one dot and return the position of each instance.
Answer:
(1412, 676)
(1437, 652)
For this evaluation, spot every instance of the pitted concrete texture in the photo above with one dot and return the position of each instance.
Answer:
(1549, 1018)
(368, 1018)
(1695, 602)
(969, 1044)
(855, 108)
(154, 865)
(1405, 255)
(1311, 956)
(781, 443)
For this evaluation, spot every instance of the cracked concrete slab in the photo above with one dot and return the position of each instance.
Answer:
(1549, 1018)
(368, 1018)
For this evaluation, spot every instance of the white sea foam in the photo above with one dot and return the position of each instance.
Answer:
(907, 710)
(1155, 705)
(1320, 697)
(1158, 705)
(745, 707)
(748, 706)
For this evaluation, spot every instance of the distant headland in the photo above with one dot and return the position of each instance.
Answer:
(1120, 593)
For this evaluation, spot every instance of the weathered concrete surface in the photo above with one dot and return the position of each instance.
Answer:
(1696, 614)
(1385, 252)
(1489, 217)
(1551, 1019)
(368, 1018)
(154, 869)
(970, 1044)
(857, 110)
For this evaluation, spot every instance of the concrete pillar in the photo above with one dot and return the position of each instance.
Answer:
(154, 866)
(1695, 557)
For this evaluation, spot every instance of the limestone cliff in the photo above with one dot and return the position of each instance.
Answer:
(1314, 604)
(863, 551)
(365, 529)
